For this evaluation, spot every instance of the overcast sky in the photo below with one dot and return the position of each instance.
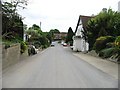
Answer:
(62, 14)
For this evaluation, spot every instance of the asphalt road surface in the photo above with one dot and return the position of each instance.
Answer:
(56, 67)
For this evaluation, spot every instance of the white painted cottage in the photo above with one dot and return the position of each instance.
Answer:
(79, 43)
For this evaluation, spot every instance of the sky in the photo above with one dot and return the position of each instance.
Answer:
(62, 14)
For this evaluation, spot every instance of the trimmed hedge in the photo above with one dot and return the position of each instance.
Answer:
(101, 43)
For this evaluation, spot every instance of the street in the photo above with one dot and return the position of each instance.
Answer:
(56, 67)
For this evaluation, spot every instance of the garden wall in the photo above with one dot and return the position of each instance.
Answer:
(10, 55)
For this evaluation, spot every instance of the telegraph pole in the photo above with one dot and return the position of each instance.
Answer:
(40, 25)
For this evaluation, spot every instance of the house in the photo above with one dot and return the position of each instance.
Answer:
(79, 42)
(25, 37)
(119, 6)
(60, 36)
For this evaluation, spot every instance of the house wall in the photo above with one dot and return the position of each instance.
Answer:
(79, 33)
(119, 6)
(79, 44)
(10, 55)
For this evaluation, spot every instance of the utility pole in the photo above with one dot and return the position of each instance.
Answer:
(40, 25)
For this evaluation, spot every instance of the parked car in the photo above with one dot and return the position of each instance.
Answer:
(64, 44)
(53, 44)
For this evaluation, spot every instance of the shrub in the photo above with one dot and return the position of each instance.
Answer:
(37, 44)
(23, 47)
(110, 44)
(117, 42)
(7, 45)
(45, 46)
(101, 43)
(106, 53)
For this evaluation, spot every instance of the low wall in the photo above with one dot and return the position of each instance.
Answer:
(10, 55)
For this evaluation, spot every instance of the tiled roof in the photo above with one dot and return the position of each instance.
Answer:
(84, 20)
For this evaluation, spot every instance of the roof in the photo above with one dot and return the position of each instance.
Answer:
(63, 32)
(84, 20)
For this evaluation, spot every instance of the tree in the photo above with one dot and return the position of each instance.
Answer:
(104, 24)
(70, 35)
(12, 21)
(24, 27)
(52, 32)
(38, 38)
(35, 27)
(49, 37)
(102, 32)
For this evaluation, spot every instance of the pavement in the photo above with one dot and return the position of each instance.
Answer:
(0, 65)
(56, 67)
(104, 65)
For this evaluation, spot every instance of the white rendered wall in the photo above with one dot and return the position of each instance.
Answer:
(79, 33)
(119, 6)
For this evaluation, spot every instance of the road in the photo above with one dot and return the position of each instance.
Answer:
(56, 67)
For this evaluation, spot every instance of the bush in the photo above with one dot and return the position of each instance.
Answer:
(117, 42)
(7, 45)
(44, 46)
(23, 47)
(37, 44)
(106, 53)
(101, 43)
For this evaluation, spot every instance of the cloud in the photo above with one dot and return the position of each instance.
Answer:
(62, 14)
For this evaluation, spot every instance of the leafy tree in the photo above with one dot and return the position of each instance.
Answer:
(24, 27)
(102, 32)
(70, 35)
(35, 27)
(105, 23)
(49, 37)
(12, 21)
(38, 38)
(52, 32)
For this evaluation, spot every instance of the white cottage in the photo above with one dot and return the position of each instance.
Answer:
(79, 43)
